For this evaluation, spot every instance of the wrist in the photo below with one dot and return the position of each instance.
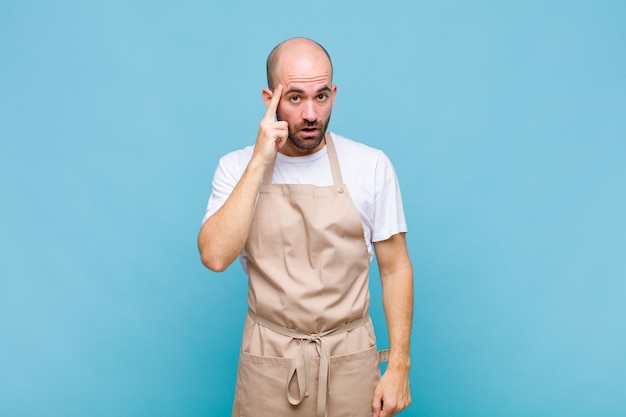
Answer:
(399, 363)
(256, 166)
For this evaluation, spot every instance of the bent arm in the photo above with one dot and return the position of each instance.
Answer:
(224, 234)
(396, 273)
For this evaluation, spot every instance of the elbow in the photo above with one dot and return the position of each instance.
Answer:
(212, 259)
(215, 265)
(213, 255)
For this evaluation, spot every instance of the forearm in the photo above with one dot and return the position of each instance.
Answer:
(224, 234)
(393, 393)
(396, 274)
(398, 306)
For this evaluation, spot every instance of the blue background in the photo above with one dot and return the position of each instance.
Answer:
(506, 122)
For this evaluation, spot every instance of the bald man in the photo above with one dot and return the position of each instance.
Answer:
(305, 210)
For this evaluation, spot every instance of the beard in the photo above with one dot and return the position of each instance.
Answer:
(308, 142)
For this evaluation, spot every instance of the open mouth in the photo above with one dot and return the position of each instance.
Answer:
(309, 130)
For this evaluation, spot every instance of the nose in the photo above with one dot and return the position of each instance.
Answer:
(309, 112)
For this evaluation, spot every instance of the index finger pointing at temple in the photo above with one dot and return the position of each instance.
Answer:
(273, 104)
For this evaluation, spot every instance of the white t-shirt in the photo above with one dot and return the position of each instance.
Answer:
(367, 173)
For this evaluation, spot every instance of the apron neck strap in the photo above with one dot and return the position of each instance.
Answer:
(332, 157)
(334, 162)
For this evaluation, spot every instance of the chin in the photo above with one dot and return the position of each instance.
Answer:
(306, 143)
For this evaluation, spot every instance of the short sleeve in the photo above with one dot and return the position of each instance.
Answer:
(389, 216)
(225, 178)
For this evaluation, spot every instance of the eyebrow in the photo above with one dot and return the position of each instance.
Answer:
(324, 89)
(300, 91)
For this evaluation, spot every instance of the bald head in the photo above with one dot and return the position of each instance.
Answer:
(294, 48)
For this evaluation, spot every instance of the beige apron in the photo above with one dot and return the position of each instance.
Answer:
(308, 347)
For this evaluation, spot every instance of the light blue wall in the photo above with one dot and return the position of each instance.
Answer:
(506, 122)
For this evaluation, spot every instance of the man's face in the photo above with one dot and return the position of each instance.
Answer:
(306, 103)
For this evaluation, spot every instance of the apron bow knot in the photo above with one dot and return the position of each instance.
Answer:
(301, 362)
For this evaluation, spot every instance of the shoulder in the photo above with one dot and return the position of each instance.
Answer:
(238, 155)
(344, 144)
(236, 161)
(358, 154)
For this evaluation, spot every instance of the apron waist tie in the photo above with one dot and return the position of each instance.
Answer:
(300, 364)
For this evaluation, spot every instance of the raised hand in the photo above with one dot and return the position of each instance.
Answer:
(272, 134)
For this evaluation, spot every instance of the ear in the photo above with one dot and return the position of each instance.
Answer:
(266, 94)
(333, 90)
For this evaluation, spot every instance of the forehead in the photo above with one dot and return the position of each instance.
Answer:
(305, 67)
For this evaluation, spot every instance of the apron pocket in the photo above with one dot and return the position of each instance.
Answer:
(353, 379)
(262, 388)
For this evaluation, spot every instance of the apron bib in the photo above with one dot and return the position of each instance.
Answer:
(309, 347)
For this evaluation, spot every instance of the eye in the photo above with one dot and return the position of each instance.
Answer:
(322, 96)
(294, 99)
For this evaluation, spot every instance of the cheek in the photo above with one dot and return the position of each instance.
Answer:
(325, 111)
(279, 114)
